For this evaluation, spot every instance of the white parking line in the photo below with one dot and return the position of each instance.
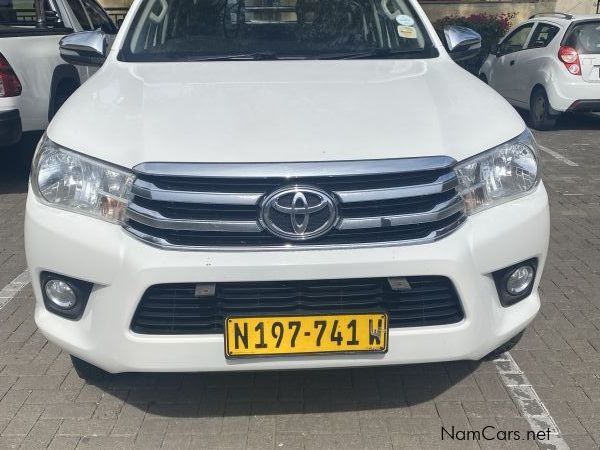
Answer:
(528, 401)
(13, 288)
(558, 156)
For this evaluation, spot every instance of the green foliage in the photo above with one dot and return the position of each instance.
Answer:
(490, 27)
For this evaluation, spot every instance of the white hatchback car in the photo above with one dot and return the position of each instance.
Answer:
(549, 65)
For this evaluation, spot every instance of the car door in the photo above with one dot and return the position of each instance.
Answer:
(502, 73)
(531, 59)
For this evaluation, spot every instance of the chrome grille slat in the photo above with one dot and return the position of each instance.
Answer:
(156, 220)
(441, 211)
(295, 169)
(443, 184)
(152, 192)
(217, 206)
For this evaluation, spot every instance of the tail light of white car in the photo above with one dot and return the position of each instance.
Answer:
(570, 58)
(10, 86)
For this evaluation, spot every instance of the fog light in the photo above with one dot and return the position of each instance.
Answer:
(61, 294)
(65, 296)
(520, 280)
(515, 283)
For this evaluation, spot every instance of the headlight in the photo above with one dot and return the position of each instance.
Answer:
(64, 179)
(503, 173)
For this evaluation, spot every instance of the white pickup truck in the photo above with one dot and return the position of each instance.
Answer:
(318, 185)
(34, 80)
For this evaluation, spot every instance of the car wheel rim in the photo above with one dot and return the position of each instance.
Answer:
(539, 108)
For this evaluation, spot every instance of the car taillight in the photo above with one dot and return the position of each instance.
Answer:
(570, 58)
(10, 86)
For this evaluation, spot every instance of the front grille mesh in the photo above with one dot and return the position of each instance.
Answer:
(395, 204)
(172, 309)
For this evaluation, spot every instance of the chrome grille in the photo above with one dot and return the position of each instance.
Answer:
(400, 201)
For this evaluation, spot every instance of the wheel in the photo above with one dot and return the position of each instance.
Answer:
(87, 371)
(540, 112)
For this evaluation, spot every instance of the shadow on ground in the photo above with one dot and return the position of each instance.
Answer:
(205, 395)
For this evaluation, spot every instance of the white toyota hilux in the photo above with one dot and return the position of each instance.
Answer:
(247, 187)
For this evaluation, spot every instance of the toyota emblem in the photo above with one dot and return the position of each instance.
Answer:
(299, 213)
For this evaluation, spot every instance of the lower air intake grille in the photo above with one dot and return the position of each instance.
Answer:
(174, 308)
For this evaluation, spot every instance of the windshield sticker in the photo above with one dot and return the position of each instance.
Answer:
(406, 21)
(407, 32)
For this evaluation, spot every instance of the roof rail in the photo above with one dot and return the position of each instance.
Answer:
(553, 14)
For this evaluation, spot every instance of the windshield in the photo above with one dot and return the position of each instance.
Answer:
(585, 37)
(175, 30)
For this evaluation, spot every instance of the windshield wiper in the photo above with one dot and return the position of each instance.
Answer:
(375, 53)
(257, 56)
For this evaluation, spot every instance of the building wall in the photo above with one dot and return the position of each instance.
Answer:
(577, 6)
(524, 9)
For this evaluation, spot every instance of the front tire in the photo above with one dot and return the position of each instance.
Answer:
(87, 371)
(540, 111)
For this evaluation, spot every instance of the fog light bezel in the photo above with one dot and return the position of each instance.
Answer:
(501, 278)
(82, 290)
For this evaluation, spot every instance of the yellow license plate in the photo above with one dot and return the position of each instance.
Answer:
(301, 335)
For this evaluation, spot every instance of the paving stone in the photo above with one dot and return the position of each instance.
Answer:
(42, 433)
(85, 427)
(69, 411)
(63, 443)
(23, 421)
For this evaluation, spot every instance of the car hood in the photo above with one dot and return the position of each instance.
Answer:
(283, 111)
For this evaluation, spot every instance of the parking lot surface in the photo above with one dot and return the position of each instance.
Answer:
(549, 379)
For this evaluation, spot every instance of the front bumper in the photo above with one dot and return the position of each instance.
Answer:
(10, 127)
(122, 268)
(585, 106)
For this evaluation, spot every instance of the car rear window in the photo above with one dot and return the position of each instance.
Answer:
(585, 37)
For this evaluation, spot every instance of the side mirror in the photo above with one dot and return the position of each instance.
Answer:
(462, 43)
(87, 48)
